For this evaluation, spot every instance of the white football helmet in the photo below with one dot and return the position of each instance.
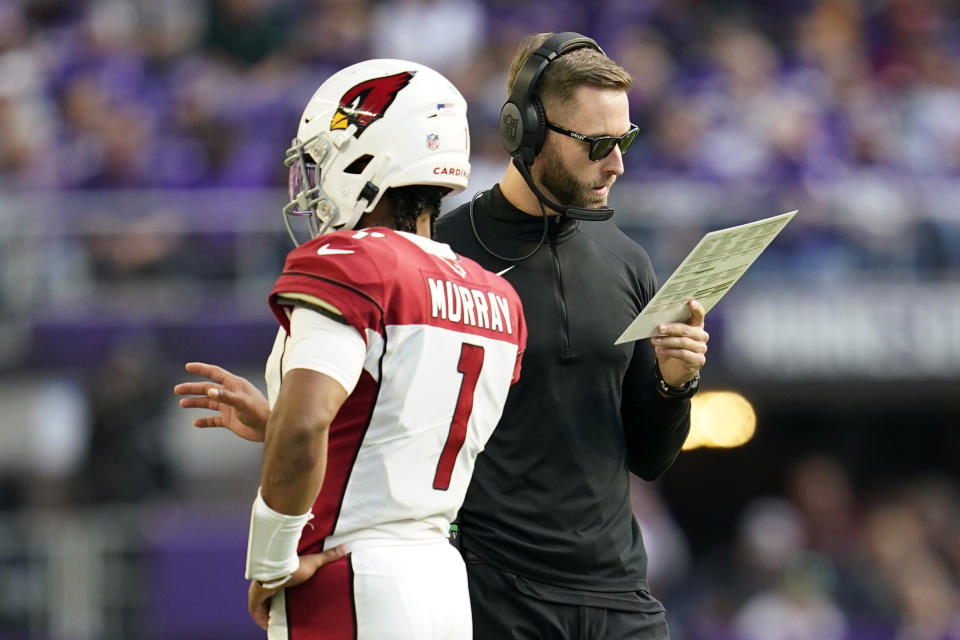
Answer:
(372, 126)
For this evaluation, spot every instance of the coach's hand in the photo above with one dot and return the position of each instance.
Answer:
(258, 598)
(681, 347)
(242, 408)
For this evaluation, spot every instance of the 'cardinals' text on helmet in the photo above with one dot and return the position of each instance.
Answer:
(370, 127)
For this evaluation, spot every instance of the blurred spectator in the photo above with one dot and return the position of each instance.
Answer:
(905, 543)
(929, 601)
(127, 458)
(438, 33)
(823, 493)
(332, 34)
(771, 534)
(668, 550)
(247, 32)
(798, 607)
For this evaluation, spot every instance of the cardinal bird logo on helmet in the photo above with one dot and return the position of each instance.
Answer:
(366, 102)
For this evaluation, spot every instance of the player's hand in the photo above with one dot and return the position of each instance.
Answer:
(681, 347)
(258, 598)
(241, 407)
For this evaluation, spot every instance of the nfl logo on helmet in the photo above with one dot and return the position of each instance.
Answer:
(433, 141)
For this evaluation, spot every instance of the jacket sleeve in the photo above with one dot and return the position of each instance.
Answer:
(655, 427)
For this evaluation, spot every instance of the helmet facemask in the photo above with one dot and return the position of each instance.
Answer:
(309, 165)
(303, 187)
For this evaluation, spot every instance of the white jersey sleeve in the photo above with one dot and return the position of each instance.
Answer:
(322, 344)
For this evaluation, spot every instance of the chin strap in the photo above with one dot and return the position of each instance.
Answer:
(577, 213)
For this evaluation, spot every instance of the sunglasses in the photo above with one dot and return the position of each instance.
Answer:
(601, 146)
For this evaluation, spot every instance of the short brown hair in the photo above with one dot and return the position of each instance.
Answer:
(585, 66)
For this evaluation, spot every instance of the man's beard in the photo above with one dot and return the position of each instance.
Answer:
(565, 186)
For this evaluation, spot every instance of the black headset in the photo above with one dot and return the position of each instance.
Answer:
(523, 123)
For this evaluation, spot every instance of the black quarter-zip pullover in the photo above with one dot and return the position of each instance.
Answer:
(549, 499)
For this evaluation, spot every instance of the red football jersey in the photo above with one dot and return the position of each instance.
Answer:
(443, 344)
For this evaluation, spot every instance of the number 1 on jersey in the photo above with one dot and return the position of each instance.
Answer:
(471, 361)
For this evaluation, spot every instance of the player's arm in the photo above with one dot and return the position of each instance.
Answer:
(322, 367)
(294, 461)
(295, 449)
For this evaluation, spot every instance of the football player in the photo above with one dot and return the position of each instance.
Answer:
(387, 377)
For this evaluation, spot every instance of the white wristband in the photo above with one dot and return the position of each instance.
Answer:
(272, 545)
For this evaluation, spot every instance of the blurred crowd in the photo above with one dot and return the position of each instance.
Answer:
(846, 109)
(130, 93)
(823, 560)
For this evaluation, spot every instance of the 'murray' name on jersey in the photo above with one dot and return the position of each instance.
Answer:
(455, 303)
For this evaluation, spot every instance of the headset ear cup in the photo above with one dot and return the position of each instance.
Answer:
(511, 127)
(540, 134)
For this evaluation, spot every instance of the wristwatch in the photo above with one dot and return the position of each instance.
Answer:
(687, 390)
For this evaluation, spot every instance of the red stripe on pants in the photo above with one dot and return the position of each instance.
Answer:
(322, 607)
